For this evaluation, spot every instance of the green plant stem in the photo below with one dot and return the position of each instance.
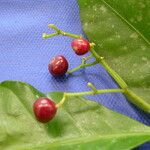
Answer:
(101, 91)
(133, 98)
(136, 100)
(93, 92)
(59, 32)
(92, 87)
(71, 35)
(88, 57)
(46, 36)
(116, 77)
(82, 66)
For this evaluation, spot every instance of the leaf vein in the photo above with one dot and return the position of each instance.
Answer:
(127, 22)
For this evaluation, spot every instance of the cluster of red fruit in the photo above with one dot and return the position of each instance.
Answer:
(44, 108)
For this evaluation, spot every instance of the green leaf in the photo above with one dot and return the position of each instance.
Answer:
(79, 124)
(121, 31)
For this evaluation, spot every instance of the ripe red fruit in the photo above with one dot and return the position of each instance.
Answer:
(80, 46)
(44, 109)
(58, 65)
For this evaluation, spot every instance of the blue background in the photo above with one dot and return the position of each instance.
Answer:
(24, 55)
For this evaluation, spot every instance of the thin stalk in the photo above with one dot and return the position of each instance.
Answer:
(88, 57)
(93, 93)
(124, 88)
(46, 36)
(82, 66)
(62, 101)
(92, 87)
(116, 77)
(66, 95)
(59, 32)
(138, 101)
(71, 35)
(133, 98)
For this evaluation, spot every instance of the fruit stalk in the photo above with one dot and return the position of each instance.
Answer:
(59, 32)
(93, 92)
(133, 98)
(82, 66)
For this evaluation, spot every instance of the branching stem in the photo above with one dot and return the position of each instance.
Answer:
(59, 32)
(83, 65)
(93, 92)
(133, 98)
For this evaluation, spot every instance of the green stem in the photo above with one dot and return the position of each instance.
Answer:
(46, 36)
(59, 32)
(82, 66)
(71, 35)
(54, 27)
(66, 95)
(97, 92)
(138, 101)
(62, 101)
(88, 57)
(132, 97)
(74, 69)
(92, 87)
(116, 77)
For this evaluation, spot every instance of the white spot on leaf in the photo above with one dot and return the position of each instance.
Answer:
(113, 26)
(85, 24)
(103, 9)
(144, 59)
(125, 48)
(134, 35)
(95, 8)
(118, 36)
(132, 71)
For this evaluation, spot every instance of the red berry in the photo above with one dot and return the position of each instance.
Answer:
(80, 46)
(44, 109)
(58, 65)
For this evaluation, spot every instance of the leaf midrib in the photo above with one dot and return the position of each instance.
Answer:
(127, 22)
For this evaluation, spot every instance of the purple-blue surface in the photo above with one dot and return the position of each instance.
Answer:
(24, 55)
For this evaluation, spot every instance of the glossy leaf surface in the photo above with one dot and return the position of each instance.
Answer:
(120, 30)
